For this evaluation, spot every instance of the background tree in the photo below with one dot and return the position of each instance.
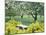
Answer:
(20, 8)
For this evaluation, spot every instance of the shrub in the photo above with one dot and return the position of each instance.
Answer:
(11, 26)
(34, 27)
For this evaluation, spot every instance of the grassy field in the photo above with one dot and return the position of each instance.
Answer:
(26, 20)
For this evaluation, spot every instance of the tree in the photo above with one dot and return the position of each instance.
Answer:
(36, 9)
(20, 8)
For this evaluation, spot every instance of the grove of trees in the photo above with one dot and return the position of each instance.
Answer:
(20, 8)
(24, 12)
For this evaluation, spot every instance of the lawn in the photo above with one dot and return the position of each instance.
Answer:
(26, 20)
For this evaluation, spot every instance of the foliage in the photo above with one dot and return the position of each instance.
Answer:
(36, 27)
(20, 8)
(11, 25)
(26, 12)
(26, 8)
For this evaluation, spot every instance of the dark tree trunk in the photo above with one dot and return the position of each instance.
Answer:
(22, 16)
(34, 16)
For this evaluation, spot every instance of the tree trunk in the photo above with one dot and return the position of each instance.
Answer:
(35, 18)
(22, 16)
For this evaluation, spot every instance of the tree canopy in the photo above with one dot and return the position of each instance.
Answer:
(19, 7)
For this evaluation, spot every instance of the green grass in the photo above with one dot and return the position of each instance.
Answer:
(26, 20)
